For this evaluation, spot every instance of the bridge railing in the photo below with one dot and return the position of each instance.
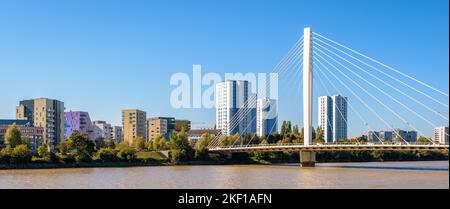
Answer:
(345, 144)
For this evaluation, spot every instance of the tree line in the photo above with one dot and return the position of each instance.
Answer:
(79, 148)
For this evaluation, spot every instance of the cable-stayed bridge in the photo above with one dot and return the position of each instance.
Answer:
(369, 81)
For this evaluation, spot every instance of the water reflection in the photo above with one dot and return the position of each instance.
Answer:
(418, 166)
(285, 176)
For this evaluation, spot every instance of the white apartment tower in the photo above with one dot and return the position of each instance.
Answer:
(325, 118)
(235, 107)
(333, 117)
(266, 116)
(441, 135)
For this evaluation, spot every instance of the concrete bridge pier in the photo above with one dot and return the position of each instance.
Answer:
(307, 159)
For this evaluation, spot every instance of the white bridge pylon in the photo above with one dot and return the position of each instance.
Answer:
(307, 85)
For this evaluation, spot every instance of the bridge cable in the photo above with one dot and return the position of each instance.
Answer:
(415, 100)
(351, 91)
(371, 95)
(277, 68)
(382, 64)
(335, 106)
(235, 119)
(371, 84)
(346, 100)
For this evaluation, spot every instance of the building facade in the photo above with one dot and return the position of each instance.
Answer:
(325, 118)
(102, 129)
(396, 136)
(117, 133)
(441, 135)
(163, 126)
(182, 124)
(376, 136)
(333, 117)
(400, 136)
(266, 117)
(78, 121)
(134, 125)
(47, 114)
(35, 135)
(235, 108)
(195, 134)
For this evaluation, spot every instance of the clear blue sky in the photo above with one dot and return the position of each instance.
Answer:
(102, 56)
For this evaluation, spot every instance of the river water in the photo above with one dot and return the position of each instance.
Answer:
(421, 175)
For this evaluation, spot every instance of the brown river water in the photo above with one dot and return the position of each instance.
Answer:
(385, 175)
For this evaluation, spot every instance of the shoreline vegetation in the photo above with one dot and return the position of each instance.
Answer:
(79, 151)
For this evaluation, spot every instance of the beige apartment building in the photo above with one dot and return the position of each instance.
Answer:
(134, 125)
(44, 113)
(160, 126)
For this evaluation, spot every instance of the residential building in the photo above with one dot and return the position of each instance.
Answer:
(102, 129)
(441, 135)
(266, 117)
(333, 117)
(35, 135)
(134, 125)
(195, 134)
(400, 136)
(47, 114)
(235, 107)
(376, 136)
(396, 136)
(325, 118)
(78, 121)
(116, 133)
(163, 126)
(373, 136)
(386, 135)
(182, 124)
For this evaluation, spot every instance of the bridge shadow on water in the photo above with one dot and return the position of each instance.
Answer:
(369, 167)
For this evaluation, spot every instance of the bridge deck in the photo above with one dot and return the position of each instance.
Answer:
(327, 147)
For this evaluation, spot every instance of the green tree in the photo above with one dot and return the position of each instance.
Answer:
(286, 127)
(289, 127)
(21, 154)
(139, 143)
(283, 128)
(319, 138)
(13, 136)
(180, 148)
(302, 134)
(201, 147)
(106, 155)
(5, 154)
(43, 151)
(156, 144)
(25, 140)
(100, 143)
(423, 140)
(78, 146)
(126, 153)
(295, 130)
(111, 144)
